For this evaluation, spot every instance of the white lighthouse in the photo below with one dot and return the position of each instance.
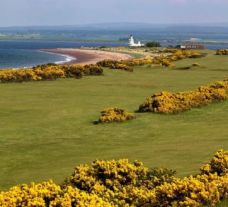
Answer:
(132, 42)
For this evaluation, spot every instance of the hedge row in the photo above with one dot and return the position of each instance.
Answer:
(167, 102)
(124, 184)
(48, 72)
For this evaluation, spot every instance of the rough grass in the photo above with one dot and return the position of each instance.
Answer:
(223, 204)
(46, 127)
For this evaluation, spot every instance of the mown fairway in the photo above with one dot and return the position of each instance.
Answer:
(46, 127)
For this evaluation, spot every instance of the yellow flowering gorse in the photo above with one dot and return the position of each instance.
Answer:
(115, 115)
(164, 60)
(119, 183)
(222, 52)
(49, 72)
(167, 102)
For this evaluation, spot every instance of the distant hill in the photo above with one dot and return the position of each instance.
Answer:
(166, 34)
(124, 26)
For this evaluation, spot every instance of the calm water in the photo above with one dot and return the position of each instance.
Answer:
(26, 53)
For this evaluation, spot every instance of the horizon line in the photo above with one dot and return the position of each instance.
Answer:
(221, 24)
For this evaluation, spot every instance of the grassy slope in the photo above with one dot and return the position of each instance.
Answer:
(46, 128)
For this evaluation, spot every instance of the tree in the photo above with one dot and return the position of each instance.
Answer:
(153, 44)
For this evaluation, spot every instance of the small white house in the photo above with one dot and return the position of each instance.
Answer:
(132, 42)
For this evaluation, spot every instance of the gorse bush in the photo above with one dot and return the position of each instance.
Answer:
(218, 164)
(120, 183)
(73, 197)
(222, 52)
(180, 54)
(49, 194)
(114, 115)
(33, 195)
(202, 190)
(115, 175)
(166, 59)
(128, 64)
(114, 64)
(49, 72)
(167, 102)
(114, 180)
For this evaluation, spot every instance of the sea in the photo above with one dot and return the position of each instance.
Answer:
(26, 53)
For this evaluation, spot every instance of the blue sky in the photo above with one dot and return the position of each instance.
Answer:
(73, 12)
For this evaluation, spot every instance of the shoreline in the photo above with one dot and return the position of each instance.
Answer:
(68, 58)
(78, 56)
(85, 56)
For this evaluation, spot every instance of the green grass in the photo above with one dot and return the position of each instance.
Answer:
(46, 127)
(223, 204)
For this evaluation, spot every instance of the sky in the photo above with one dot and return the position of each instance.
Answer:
(75, 12)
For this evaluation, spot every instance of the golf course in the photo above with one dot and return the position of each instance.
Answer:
(47, 128)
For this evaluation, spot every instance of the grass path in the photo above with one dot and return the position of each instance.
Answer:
(46, 127)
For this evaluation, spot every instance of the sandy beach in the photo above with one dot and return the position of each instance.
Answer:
(87, 56)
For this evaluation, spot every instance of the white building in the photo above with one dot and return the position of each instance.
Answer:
(132, 42)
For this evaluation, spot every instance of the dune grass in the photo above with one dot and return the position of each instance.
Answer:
(46, 127)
